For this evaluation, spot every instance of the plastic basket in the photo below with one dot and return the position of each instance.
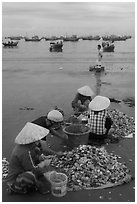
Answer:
(78, 134)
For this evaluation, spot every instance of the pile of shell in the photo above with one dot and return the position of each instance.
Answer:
(123, 124)
(90, 167)
(5, 165)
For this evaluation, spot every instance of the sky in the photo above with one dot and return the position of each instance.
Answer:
(67, 18)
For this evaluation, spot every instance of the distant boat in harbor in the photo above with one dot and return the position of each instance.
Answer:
(33, 39)
(56, 46)
(52, 38)
(14, 37)
(97, 37)
(116, 38)
(72, 38)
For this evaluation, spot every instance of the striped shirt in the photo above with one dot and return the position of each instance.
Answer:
(97, 122)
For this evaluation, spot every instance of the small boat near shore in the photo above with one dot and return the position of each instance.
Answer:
(108, 47)
(56, 46)
(10, 43)
(96, 68)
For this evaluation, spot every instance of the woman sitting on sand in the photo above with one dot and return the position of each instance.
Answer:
(52, 121)
(100, 122)
(82, 99)
(25, 170)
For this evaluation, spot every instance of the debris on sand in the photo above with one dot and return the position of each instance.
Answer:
(114, 100)
(130, 101)
(26, 108)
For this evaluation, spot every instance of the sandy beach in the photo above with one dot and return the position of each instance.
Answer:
(31, 89)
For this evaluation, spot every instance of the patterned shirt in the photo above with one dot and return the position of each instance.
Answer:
(97, 122)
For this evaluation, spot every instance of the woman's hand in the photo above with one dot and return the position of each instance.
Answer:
(44, 163)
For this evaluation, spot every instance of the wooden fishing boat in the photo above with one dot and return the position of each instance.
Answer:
(56, 46)
(33, 39)
(72, 38)
(15, 37)
(10, 43)
(108, 47)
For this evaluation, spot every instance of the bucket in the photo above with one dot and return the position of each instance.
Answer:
(58, 184)
(78, 134)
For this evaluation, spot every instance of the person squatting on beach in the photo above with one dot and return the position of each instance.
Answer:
(100, 122)
(26, 173)
(82, 99)
(53, 121)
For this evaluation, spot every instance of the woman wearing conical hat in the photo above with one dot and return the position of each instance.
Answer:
(100, 121)
(25, 170)
(82, 99)
(53, 122)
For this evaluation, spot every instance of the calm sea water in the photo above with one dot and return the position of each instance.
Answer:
(76, 56)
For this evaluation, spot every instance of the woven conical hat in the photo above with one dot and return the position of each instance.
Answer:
(99, 103)
(55, 116)
(85, 91)
(31, 133)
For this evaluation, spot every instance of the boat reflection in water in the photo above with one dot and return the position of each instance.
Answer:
(56, 46)
(98, 82)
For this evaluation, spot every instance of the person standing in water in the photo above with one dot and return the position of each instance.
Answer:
(100, 55)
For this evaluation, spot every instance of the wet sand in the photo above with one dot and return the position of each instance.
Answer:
(41, 91)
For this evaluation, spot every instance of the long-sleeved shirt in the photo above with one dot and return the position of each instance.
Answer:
(20, 161)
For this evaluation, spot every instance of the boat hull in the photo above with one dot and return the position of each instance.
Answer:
(32, 40)
(10, 44)
(108, 49)
(58, 47)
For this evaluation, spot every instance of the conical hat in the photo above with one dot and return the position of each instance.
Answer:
(55, 116)
(31, 133)
(99, 103)
(85, 91)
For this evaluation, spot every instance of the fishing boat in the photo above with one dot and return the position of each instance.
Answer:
(33, 39)
(52, 38)
(10, 43)
(91, 37)
(15, 37)
(114, 38)
(56, 46)
(72, 38)
(96, 68)
(108, 47)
